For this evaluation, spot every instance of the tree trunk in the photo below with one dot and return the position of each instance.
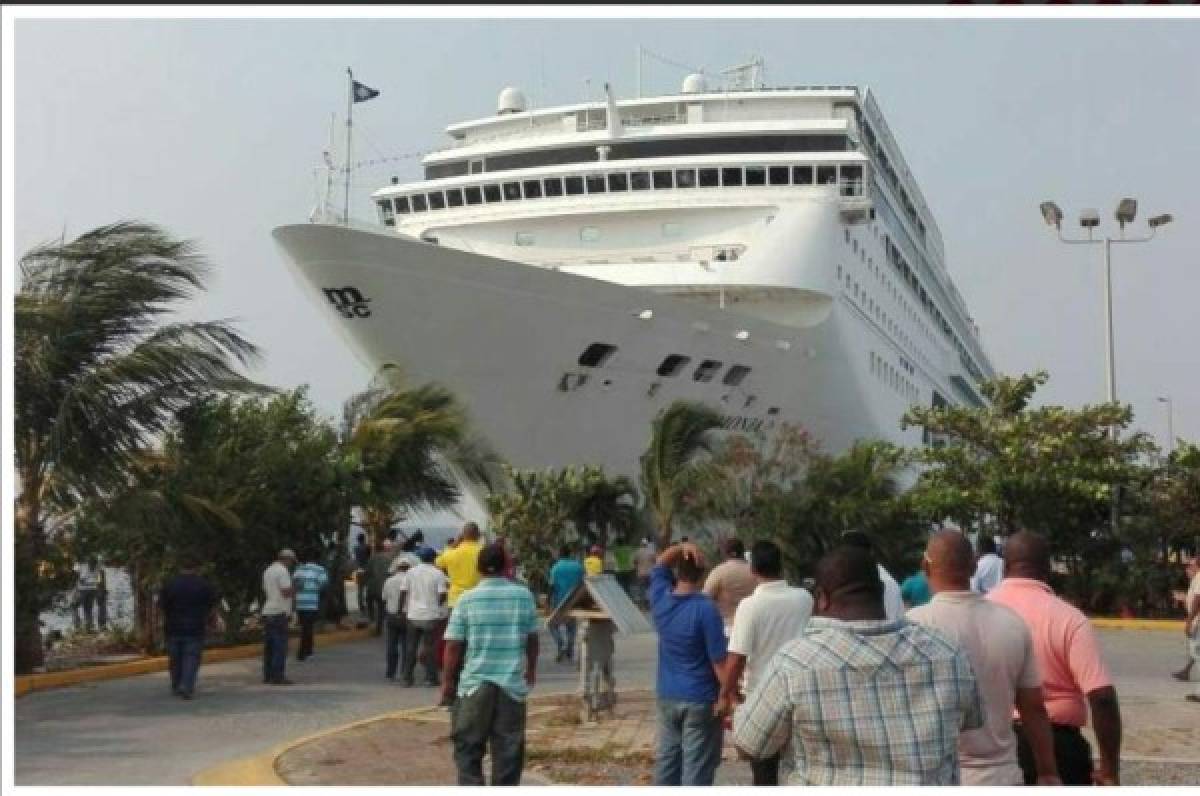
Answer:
(664, 532)
(28, 549)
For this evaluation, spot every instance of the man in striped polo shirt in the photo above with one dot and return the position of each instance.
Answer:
(497, 622)
(309, 580)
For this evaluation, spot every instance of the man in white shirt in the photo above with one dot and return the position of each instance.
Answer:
(1191, 624)
(893, 599)
(1000, 647)
(426, 587)
(990, 569)
(774, 614)
(393, 607)
(276, 611)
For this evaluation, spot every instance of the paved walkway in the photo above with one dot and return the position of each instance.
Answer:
(127, 732)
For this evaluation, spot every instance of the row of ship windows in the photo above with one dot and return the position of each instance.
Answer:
(893, 377)
(615, 182)
(875, 309)
(597, 354)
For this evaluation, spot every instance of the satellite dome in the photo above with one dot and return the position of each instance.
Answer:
(695, 84)
(511, 100)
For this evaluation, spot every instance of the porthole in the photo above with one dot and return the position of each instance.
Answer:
(706, 370)
(672, 364)
(596, 354)
(735, 375)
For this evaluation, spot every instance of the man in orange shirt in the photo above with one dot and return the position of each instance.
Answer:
(1074, 676)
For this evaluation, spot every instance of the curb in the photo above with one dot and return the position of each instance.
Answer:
(1109, 623)
(260, 769)
(28, 683)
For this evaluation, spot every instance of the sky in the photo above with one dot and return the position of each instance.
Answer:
(214, 130)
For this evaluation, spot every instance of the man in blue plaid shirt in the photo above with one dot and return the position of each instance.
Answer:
(864, 701)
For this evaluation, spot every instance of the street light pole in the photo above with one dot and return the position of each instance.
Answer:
(1170, 425)
(1089, 220)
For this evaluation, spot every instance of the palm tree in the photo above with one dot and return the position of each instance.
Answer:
(411, 449)
(603, 504)
(677, 461)
(97, 376)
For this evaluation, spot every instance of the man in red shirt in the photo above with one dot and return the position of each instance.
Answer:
(1074, 676)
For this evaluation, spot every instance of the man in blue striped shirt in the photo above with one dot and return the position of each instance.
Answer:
(308, 580)
(497, 623)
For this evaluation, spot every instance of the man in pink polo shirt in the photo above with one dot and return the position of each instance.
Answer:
(1074, 676)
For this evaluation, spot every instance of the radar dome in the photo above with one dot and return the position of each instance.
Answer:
(511, 100)
(695, 84)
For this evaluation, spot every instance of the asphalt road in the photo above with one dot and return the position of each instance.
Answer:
(133, 732)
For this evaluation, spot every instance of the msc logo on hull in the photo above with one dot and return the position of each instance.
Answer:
(348, 301)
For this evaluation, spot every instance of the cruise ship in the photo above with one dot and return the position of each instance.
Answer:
(570, 271)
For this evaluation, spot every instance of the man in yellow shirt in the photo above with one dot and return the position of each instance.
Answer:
(461, 564)
(594, 563)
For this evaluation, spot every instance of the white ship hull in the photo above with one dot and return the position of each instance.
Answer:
(506, 337)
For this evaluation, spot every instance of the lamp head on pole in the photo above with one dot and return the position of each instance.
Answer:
(1052, 214)
(1126, 211)
(1089, 219)
(1157, 221)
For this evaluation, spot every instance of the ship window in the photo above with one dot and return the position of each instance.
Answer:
(685, 178)
(491, 192)
(672, 364)
(826, 175)
(774, 410)
(706, 370)
(618, 182)
(477, 166)
(525, 239)
(596, 354)
(595, 183)
(639, 180)
(554, 186)
(512, 191)
(735, 375)
(756, 175)
(386, 213)
(574, 185)
(672, 229)
(402, 204)
(708, 178)
(851, 173)
(437, 200)
(731, 176)
(802, 175)
(418, 203)
(779, 175)
(454, 197)
(662, 179)
(474, 195)
(533, 189)
(589, 234)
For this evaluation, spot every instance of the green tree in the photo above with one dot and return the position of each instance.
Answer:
(603, 508)
(535, 515)
(1049, 469)
(98, 373)
(408, 449)
(268, 471)
(678, 462)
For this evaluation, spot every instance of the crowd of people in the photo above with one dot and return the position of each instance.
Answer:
(971, 672)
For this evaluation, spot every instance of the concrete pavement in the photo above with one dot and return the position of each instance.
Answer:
(126, 732)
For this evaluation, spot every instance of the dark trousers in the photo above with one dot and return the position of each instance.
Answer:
(183, 657)
(307, 620)
(419, 643)
(1072, 752)
(395, 643)
(765, 771)
(378, 613)
(275, 641)
(488, 717)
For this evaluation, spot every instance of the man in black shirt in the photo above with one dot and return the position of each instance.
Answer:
(187, 601)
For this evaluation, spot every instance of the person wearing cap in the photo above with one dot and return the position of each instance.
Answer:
(426, 587)
(393, 605)
(594, 563)
(276, 610)
(493, 637)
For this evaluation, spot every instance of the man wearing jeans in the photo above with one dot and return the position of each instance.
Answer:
(691, 653)
(565, 575)
(187, 601)
(497, 621)
(276, 610)
(426, 587)
(310, 579)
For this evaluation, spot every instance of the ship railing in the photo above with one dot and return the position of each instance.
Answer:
(851, 187)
